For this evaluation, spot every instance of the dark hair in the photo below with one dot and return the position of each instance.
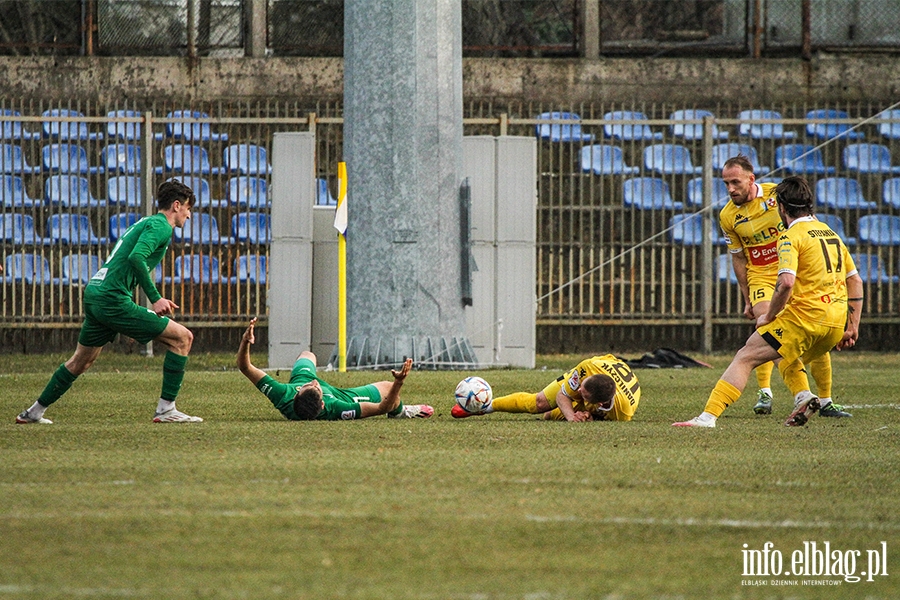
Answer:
(739, 161)
(307, 404)
(601, 388)
(795, 196)
(171, 191)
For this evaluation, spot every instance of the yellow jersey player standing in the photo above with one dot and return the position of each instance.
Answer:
(600, 388)
(751, 225)
(816, 306)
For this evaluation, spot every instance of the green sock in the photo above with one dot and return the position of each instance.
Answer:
(396, 411)
(58, 385)
(173, 375)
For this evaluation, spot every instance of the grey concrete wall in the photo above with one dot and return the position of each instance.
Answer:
(833, 78)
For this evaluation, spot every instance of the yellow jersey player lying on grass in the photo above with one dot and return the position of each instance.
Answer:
(306, 397)
(597, 389)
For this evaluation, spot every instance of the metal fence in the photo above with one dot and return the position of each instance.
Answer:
(620, 236)
(527, 28)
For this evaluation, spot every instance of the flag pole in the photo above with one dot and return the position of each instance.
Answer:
(340, 223)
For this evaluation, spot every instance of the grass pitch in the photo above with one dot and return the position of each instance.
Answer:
(106, 504)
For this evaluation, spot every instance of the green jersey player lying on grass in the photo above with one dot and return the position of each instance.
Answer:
(306, 397)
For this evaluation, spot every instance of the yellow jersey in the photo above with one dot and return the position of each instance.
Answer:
(628, 389)
(753, 228)
(821, 263)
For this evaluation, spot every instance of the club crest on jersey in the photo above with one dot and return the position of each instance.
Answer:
(771, 202)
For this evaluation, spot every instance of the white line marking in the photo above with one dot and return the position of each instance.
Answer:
(786, 524)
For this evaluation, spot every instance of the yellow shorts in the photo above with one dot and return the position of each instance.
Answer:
(792, 338)
(761, 290)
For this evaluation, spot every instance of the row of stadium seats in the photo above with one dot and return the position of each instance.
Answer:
(675, 159)
(74, 191)
(77, 269)
(869, 267)
(129, 131)
(877, 230)
(637, 131)
(838, 193)
(243, 159)
(68, 228)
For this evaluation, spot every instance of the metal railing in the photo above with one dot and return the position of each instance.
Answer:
(602, 260)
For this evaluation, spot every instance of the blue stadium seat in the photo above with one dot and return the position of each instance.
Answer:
(603, 159)
(687, 230)
(124, 190)
(125, 131)
(77, 269)
(191, 132)
(66, 158)
(637, 131)
(66, 228)
(695, 192)
(246, 159)
(801, 159)
(66, 130)
(71, 191)
(195, 268)
(248, 192)
(18, 229)
(868, 158)
(722, 152)
(13, 161)
(871, 270)
(648, 193)
(763, 131)
(251, 227)
(827, 131)
(323, 194)
(841, 193)
(694, 131)
(724, 268)
(837, 225)
(250, 269)
(890, 130)
(14, 130)
(31, 268)
(559, 132)
(670, 159)
(118, 223)
(879, 230)
(187, 158)
(201, 189)
(121, 158)
(202, 228)
(13, 193)
(890, 192)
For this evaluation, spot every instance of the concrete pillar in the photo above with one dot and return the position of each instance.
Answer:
(402, 145)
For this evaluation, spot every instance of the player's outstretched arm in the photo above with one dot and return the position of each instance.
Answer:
(251, 372)
(390, 393)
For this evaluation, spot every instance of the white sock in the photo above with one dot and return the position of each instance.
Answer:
(823, 402)
(164, 405)
(36, 411)
(706, 417)
(766, 391)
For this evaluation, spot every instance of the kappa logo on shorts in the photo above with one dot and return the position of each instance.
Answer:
(779, 332)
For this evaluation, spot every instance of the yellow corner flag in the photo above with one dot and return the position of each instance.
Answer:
(340, 214)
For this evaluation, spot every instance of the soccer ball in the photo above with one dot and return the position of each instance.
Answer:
(473, 394)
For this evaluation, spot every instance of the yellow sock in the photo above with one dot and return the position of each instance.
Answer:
(820, 369)
(794, 375)
(516, 403)
(722, 396)
(764, 374)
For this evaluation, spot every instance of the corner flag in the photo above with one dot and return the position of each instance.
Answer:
(340, 214)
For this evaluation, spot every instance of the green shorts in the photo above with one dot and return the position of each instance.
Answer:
(106, 318)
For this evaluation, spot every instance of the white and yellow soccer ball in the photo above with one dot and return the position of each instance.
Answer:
(474, 394)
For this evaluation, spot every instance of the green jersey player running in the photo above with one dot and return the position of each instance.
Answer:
(306, 397)
(110, 309)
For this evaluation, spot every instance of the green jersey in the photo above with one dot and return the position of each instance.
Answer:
(340, 403)
(139, 250)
